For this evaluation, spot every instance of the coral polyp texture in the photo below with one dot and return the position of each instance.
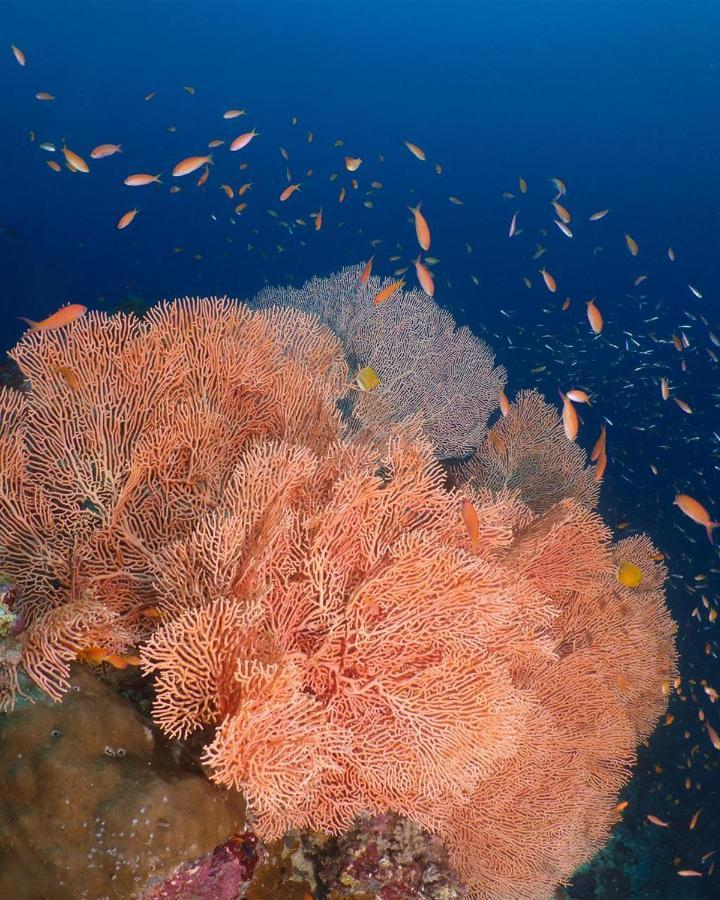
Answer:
(308, 588)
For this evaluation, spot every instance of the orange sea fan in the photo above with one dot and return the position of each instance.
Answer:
(528, 451)
(439, 683)
(542, 550)
(320, 606)
(100, 475)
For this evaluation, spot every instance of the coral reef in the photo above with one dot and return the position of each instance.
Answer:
(390, 858)
(384, 857)
(95, 803)
(310, 592)
(225, 873)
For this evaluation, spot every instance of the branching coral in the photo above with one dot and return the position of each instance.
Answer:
(317, 599)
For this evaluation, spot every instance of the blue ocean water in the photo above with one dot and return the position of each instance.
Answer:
(615, 98)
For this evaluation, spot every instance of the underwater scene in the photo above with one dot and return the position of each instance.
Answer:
(359, 450)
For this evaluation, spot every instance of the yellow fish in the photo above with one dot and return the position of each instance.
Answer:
(367, 379)
(629, 575)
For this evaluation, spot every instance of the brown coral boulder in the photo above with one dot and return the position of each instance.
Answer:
(93, 803)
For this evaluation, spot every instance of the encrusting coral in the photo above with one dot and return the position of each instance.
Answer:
(315, 596)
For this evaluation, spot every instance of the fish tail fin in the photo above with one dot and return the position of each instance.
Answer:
(210, 160)
(414, 209)
(709, 528)
(33, 325)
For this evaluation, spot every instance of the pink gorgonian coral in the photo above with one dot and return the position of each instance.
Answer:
(314, 597)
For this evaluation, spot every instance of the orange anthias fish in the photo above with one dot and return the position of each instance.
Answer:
(69, 377)
(594, 316)
(96, 655)
(422, 229)
(77, 162)
(664, 388)
(191, 164)
(353, 163)
(318, 219)
(289, 191)
(104, 150)
(127, 218)
(470, 518)
(600, 444)
(570, 420)
(18, 54)
(632, 245)
(367, 270)
(416, 151)
(505, 405)
(425, 277)
(550, 282)
(713, 735)
(141, 179)
(64, 316)
(600, 466)
(387, 292)
(697, 512)
(578, 396)
(561, 212)
(243, 140)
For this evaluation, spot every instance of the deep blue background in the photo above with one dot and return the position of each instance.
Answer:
(617, 98)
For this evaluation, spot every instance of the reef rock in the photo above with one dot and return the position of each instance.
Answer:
(94, 803)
